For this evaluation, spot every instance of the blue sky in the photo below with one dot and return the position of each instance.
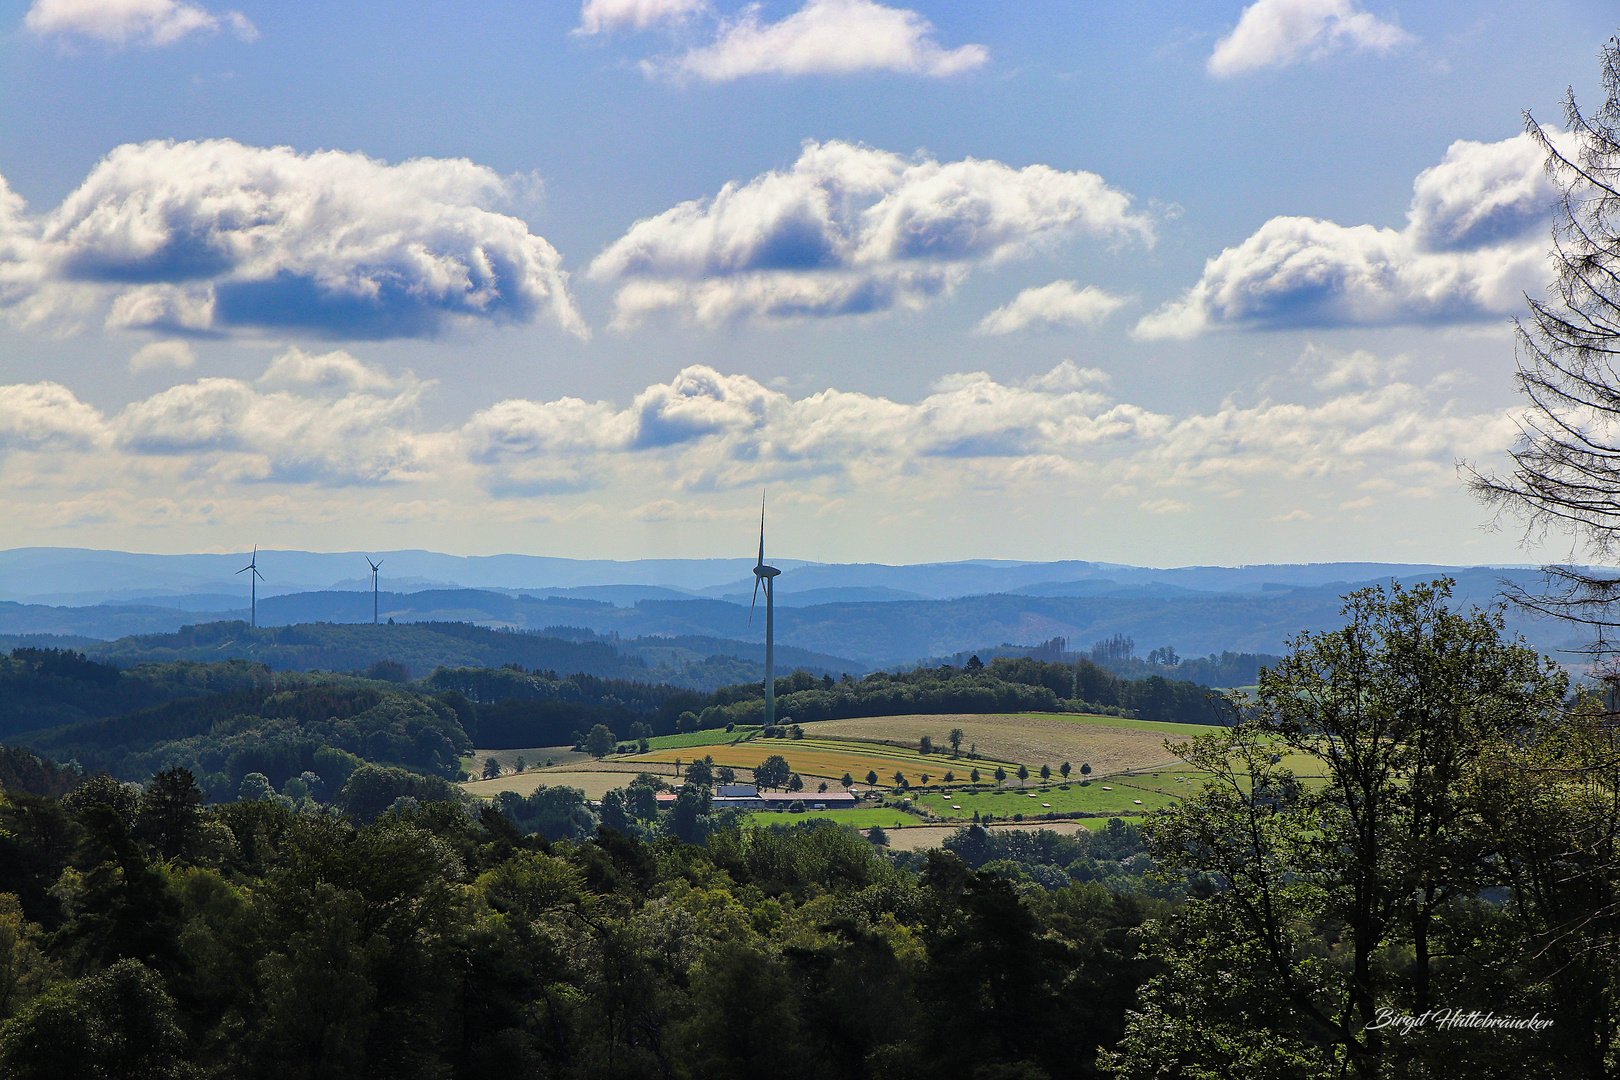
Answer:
(1171, 284)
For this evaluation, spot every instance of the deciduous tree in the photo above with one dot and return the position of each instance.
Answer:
(1388, 857)
(773, 772)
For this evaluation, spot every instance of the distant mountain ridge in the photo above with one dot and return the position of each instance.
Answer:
(869, 633)
(82, 576)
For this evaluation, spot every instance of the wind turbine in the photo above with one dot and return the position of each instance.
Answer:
(373, 566)
(766, 575)
(253, 580)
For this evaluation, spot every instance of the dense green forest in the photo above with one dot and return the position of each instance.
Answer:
(1225, 669)
(418, 647)
(144, 936)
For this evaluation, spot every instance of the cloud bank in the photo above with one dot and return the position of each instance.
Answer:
(214, 237)
(321, 437)
(333, 420)
(119, 23)
(853, 230)
(1276, 33)
(1475, 242)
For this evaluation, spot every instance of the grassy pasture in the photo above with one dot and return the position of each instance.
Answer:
(1089, 799)
(713, 737)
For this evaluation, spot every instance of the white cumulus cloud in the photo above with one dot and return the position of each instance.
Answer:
(131, 22)
(47, 416)
(1275, 33)
(1475, 242)
(214, 237)
(1062, 303)
(160, 354)
(835, 37)
(347, 436)
(331, 371)
(850, 229)
(602, 16)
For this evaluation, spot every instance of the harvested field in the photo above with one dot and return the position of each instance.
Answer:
(533, 757)
(595, 783)
(813, 757)
(932, 836)
(1033, 739)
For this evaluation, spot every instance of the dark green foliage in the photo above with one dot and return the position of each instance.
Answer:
(116, 1024)
(418, 648)
(44, 688)
(373, 789)
(169, 813)
(599, 742)
(291, 725)
(1223, 669)
(557, 813)
(773, 772)
(977, 846)
(24, 770)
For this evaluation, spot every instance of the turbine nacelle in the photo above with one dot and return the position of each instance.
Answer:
(253, 565)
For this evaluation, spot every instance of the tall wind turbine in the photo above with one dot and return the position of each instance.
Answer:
(253, 580)
(373, 566)
(766, 575)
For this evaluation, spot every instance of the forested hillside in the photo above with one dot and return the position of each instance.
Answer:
(1007, 684)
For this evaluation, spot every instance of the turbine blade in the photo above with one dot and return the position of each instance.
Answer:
(754, 601)
(761, 528)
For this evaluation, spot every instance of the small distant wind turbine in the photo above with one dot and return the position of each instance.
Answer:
(373, 566)
(766, 575)
(253, 581)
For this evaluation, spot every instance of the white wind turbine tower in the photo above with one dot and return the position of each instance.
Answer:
(253, 580)
(374, 566)
(766, 575)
